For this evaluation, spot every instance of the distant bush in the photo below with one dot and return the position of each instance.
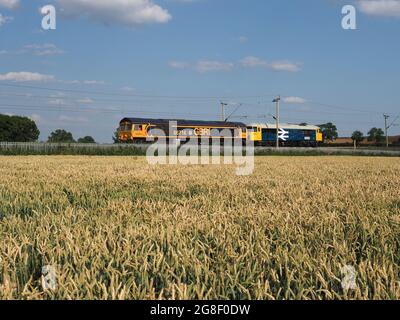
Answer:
(61, 136)
(87, 139)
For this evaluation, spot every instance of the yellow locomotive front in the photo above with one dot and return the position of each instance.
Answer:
(132, 132)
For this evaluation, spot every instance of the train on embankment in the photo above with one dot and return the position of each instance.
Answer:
(140, 130)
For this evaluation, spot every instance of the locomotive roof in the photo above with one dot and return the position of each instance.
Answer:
(184, 122)
(284, 126)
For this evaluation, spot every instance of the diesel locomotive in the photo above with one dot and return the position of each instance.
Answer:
(138, 130)
(289, 135)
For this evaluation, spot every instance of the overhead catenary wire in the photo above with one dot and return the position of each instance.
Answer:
(126, 94)
(394, 121)
(198, 98)
(57, 108)
(88, 107)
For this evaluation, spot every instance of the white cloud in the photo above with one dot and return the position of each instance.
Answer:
(254, 62)
(127, 12)
(294, 100)
(4, 19)
(380, 7)
(285, 66)
(9, 4)
(202, 66)
(206, 66)
(47, 49)
(247, 62)
(127, 89)
(70, 81)
(57, 102)
(26, 77)
(93, 82)
(178, 64)
(87, 82)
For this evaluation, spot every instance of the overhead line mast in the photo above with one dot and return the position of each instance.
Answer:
(386, 129)
(277, 101)
(223, 105)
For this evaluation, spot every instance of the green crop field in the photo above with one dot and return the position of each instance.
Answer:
(118, 228)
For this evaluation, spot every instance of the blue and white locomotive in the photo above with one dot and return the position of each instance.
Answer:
(290, 135)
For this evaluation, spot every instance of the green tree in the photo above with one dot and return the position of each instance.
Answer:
(329, 131)
(87, 139)
(61, 136)
(18, 129)
(357, 136)
(376, 135)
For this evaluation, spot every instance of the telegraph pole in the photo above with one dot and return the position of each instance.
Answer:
(277, 101)
(223, 105)
(386, 129)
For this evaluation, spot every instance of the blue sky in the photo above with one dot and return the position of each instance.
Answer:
(180, 58)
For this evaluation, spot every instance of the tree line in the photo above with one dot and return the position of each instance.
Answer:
(63, 136)
(23, 129)
(375, 135)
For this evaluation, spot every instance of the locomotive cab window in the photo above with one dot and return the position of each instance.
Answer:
(254, 129)
(125, 127)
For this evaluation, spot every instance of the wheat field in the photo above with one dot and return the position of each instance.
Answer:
(118, 228)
